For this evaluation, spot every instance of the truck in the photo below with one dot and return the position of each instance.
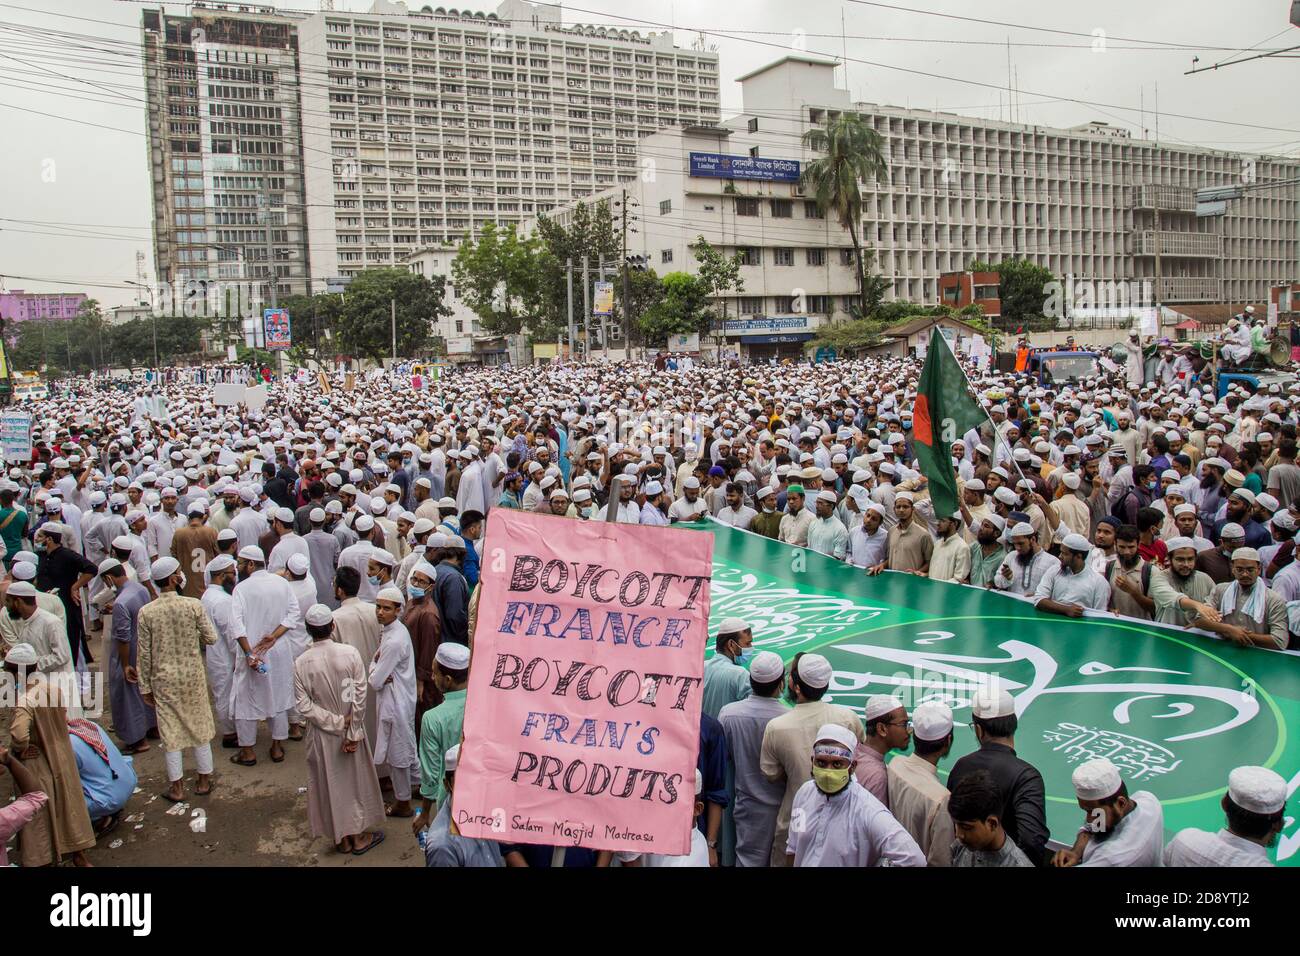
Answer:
(1055, 368)
(29, 387)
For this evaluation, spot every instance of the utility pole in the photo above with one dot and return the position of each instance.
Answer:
(392, 304)
(586, 306)
(627, 296)
(1155, 203)
(568, 283)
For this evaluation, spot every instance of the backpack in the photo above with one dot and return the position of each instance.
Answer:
(1118, 511)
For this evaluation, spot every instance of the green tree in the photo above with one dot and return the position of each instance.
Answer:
(854, 154)
(645, 289)
(719, 273)
(682, 308)
(363, 326)
(874, 285)
(499, 277)
(313, 319)
(1022, 289)
(590, 232)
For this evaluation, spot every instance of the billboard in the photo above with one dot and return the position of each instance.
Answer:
(275, 323)
(724, 166)
(603, 299)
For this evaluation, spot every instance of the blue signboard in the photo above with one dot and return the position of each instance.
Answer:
(723, 166)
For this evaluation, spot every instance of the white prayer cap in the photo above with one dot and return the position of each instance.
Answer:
(732, 625)
(1096, 780)
(222, 562)
(877, 507)
(1256, 789)
(23, 589)
(691, 482)
(1284, 521)
(991, 702)
(1005, 495)
(932, 721)
(835, 732)
(227, 534)
(25, 571)
(1077, 542)
(997, 521)
(422, 526)
(164, 568)
(455, 542)
(447, 502)
(1174, 544)
(196, 508)
(436, 540)
(1267, 501)
(364, 523)
(815, 670)
(53, 528)
(425, 569)
(653, 488)
(22, 655)
(382, 556)
(1232, 530)
(766, 667)
(316, 515)
(1245, 554)
(880, 704)
(452, 656)
(318, 615)
(392, 595)
(252, 553)
(298, 563)
(104, 566)
(828, 496)
(1220, 463)
(1071, 481)
(451, 760)
(904, 496)
(561, 495)
(1023, 529)
(334, 507)
(378, 505)
(1188, 509)
(975, 484)
(1245, 494)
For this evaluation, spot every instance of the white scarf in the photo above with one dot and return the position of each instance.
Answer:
(1254, 604)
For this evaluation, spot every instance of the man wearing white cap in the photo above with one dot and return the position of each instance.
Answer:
(1075, 586)
(950, 559)
(133, 719)
(264, 610)
(690, 506)
(749, 824)
(1118, 830)
(289, 542)
(657, 501)
(835, 821)
(910, 543)
(330, 691)
(248, 523)
(1253, 615)
(442, 848)
(357, 625)
(917, 799)
(392, 680)
(888, 729)
(323, 550)
(1255, 813)
(440, 728)
(26, 621)
(469, 495)
(357, 556)
(1026, 565)
(725, 678)
(826, 533)
(1024, 813)
(788, 739)
(223, 656)
(1181, 593)
(869, 540)
(173, 630)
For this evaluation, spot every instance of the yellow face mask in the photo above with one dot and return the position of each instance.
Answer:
(830, 780)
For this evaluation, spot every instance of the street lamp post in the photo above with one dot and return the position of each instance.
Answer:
(153, 315)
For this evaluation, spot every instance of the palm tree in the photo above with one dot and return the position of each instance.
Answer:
(854, 154)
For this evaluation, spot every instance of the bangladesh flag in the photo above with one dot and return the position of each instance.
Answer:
(943, 412)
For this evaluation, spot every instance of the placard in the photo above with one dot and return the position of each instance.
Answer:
(16, 436)
(227, 393)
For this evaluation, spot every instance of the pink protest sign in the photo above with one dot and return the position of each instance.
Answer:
(583, 713)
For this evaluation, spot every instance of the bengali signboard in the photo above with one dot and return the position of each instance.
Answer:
(766, 325)
(275, 323)
(602, 301)
(724, 166)
(583, 713)
(1173, 709)
(15, 436)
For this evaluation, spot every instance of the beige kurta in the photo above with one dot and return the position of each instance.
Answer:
(63, 824)
(355, 624)
(329, 687)
(172, 630)
(194, 547)
(920, 803)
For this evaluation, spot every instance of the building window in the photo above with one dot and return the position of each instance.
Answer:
(753, 152)
(846, 257)
(782, 209)
(811, 210)
(665, 255)
(665, 207)
(785, 305)
(816, 257)
(818, 304)
(751, 257)
(746, 207)
(753, 124)
(751, 305)
(783, 257)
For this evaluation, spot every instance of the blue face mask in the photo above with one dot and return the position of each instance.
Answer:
(373, 579)
(746, 655)
(416, 593)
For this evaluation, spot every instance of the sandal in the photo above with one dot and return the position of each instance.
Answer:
(234, 758)
(204, 793)
(166, 795)
(388, 812)
(376, 839)
(229, 743)
(107, 825)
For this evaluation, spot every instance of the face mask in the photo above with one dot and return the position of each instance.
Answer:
(746, 655)
(416, 593)
(829, 780)
(374, 579)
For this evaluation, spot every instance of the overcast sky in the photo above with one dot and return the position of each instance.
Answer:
(75, 197)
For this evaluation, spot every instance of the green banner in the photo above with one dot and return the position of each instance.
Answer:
(1174, 710)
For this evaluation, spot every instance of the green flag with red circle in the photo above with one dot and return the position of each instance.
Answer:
(943, 412)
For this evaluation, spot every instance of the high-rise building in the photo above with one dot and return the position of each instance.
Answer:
(225, 146)
(422, 126)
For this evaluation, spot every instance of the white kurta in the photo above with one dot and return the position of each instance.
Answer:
(395, 743)
(304, 592)
(288, 545)
(358, 556)
(221, 658)
(1138, 840)
(1192, 847)
(849, 828)
(262, 603)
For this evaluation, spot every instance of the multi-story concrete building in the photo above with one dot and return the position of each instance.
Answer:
(19, 306)
(225, 146)
(422, 126)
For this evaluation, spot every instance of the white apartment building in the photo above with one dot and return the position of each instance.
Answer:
(459, 328)
(422, 126)
(225, 151)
